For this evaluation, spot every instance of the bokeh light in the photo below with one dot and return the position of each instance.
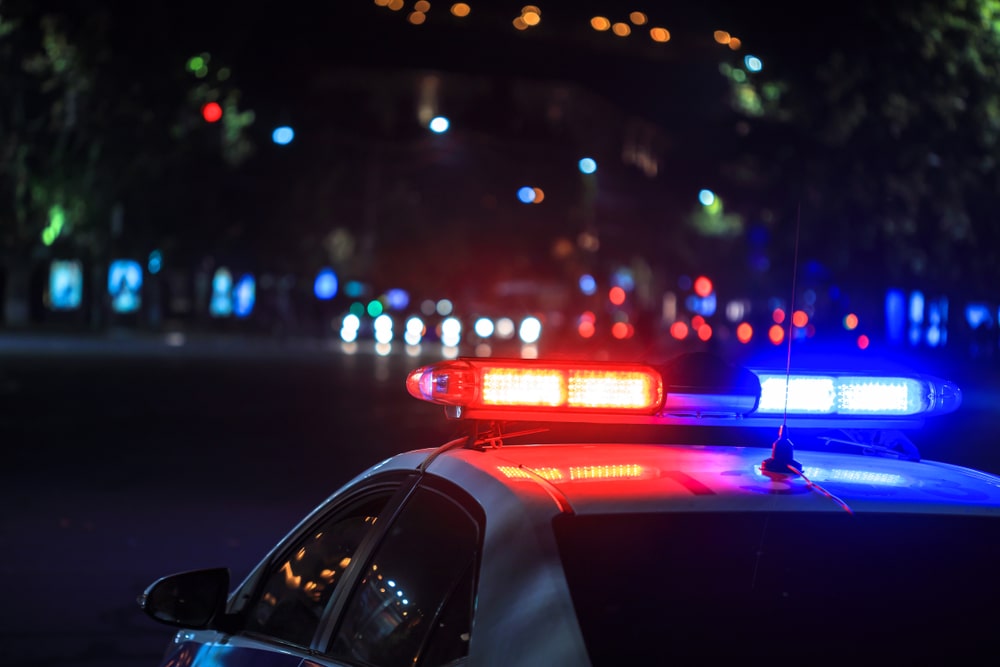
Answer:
(703, 286)
(439, 124)
(283, 135)
(600, 23)
(587, 165)
(530, 330)
(744, 332)
(659, 34)
(211, 112)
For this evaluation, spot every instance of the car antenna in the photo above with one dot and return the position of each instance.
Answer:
(782, 458)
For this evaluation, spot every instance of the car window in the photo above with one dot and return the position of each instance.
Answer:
(703, 586)
(298, 585)
(413, 605)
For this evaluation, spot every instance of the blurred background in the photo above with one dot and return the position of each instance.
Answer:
(228, 231)
(632, 180)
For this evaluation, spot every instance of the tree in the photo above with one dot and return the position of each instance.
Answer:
(883, 127)
(92, 126)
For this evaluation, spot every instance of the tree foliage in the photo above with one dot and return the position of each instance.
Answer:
(883, 129)
(94, 130)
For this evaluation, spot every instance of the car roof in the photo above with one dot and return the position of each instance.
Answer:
(622, 478)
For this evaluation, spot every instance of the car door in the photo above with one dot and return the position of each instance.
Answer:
(278, 609)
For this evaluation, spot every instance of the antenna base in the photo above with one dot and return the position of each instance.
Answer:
(782, 459)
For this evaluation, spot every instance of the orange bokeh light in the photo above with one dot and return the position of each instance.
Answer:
(600, 23)
(744, 332)
(776, 334)
(800, 318)
(659, 34)
(850, 321)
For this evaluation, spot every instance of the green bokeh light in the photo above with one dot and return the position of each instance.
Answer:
(57, 220)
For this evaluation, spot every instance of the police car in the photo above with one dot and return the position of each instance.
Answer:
(628, 514)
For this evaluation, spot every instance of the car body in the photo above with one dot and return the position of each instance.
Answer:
(561, 535)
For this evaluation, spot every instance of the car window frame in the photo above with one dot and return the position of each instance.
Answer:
(332, 620)
(400, 483)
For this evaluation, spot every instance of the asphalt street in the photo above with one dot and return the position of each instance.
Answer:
(126, 460)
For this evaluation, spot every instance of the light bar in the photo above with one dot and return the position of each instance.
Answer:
(692, 391)
(855, 395)
(573, 387)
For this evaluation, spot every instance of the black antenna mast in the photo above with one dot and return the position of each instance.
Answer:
(782, 451)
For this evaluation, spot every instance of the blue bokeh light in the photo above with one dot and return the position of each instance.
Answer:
(125, 285)
(397, 299)
(526, 195)
(283, 135)
(244, 295)
(587, 165)
(325, 285)
(155, 262)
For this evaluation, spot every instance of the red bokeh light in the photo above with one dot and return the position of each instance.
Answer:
(863, 342)
(679, 330)
(211, 112)
(616, 296)
(702, 286)
(800, 318)
(744, 332)
(621, 330)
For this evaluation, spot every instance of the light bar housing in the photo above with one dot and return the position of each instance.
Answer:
(544, 391)
(693, 391)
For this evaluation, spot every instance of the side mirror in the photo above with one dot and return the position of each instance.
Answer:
(187, 599)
